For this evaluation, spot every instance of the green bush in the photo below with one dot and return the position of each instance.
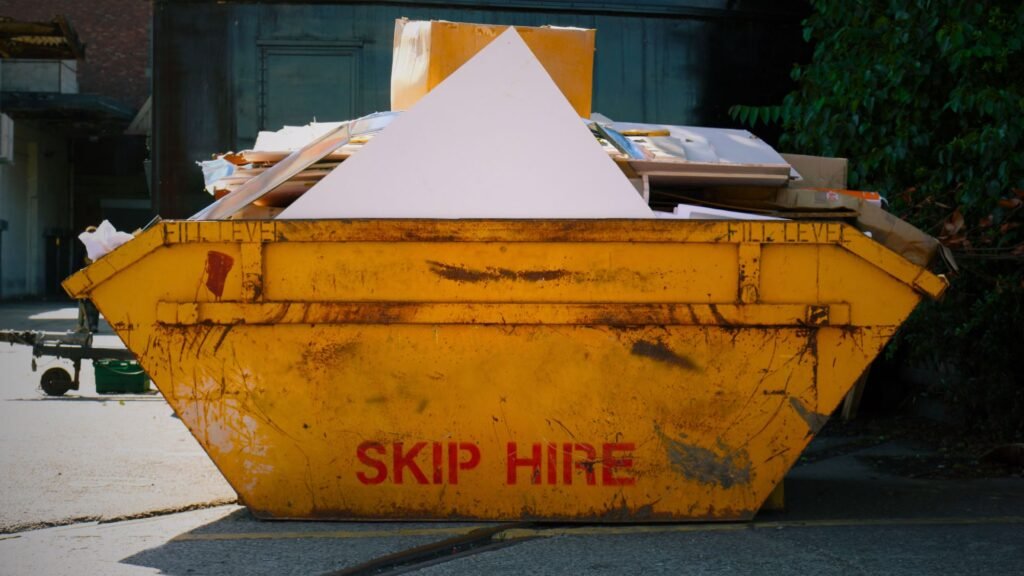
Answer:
(926, 99)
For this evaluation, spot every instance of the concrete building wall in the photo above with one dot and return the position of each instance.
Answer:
(27, 75)
(34, 201)
(66, 165)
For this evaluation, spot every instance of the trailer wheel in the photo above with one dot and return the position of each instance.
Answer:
(55, 382)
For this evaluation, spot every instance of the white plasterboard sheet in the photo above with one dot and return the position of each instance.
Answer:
(726, 145)
(694, 212)
(496, 139)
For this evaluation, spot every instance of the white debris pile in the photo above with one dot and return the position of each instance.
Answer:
(499, 138)
(292, 137)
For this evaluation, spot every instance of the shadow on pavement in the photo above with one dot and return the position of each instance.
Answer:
(838, 502)
(241, 544)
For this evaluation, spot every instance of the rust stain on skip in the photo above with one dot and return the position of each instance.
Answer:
(328, 354)
(461, 274)
(218, 264)
(662, 353)
(702, 465)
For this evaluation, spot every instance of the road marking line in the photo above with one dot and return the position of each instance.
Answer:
(518, 533)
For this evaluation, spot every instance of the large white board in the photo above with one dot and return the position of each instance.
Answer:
(496, 139)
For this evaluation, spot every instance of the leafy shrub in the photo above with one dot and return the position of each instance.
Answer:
(926, 99)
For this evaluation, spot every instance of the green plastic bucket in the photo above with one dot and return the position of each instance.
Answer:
(120, 377)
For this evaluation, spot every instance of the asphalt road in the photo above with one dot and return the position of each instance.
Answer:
(87, 464)
(227, 541)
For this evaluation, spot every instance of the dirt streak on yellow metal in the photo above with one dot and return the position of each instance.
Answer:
(658, 370)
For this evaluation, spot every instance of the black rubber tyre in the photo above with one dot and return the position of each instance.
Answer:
(55, 382)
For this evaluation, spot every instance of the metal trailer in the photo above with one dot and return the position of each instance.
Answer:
(72, 345)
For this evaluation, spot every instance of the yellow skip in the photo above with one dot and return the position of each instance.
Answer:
(601, 370)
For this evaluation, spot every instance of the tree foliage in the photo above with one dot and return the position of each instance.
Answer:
(926, 99)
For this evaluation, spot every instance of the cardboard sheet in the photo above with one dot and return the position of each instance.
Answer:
(819, 171)
(781, 199)
(672, 174)
(897, 235)
(496, 139)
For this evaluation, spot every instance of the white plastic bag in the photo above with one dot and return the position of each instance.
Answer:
(214, 170)
(104, 240)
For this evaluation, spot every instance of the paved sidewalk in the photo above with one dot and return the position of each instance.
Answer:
(83, 455)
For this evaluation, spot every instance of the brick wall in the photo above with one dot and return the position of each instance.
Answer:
(116, 35)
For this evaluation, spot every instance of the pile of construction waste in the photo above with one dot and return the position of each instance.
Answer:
(495, 124)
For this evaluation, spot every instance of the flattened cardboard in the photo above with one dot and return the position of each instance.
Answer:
(786, 199)
(671, 174)
(897, 235)
(804, 199)
(819, 171)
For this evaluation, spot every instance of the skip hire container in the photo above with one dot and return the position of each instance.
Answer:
(584, 370)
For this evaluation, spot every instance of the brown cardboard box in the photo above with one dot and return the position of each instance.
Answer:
(426, 52)
(783, 199)
(817, 200)
(829, 174)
